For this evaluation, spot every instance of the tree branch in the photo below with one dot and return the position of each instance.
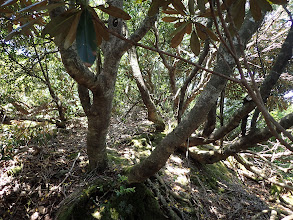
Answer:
(145, 95)
(186, 127)
(76, 69)
(146, 25)
(84, 97)
(242, 144)
(270, 81)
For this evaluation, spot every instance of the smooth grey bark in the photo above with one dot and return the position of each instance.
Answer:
(153, 114)
(197, 115)
(102, 85)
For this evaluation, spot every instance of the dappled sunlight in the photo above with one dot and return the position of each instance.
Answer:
(176, 159)
(40, 175)
(146, 110)
(5, 178)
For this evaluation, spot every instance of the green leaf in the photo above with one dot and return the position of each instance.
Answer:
(49, 7)
(204, 32)
(170, 11)
(238, 13)
(178, 5)
(170, 19)
(201, 5)
(194, 43)
(86, 42)
(188, 28)
(6, 10)
(176, 40)
(200, 31)
(98, 36)
(24, 29)
(182, 26)
(279, 2)
(191, 7)
(100, 28)
(154, 8)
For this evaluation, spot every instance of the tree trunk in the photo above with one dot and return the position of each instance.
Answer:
(197, 115)
(265, 89)
(211, 121)
(62, 122)
(101, 85)
(98, 112)
(98, 123)
(153, 115)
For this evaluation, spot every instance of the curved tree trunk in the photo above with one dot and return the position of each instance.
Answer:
(197, 115)
(153, 114)
(265, 89)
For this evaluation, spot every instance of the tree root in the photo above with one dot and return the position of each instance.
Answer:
(174, 194)
(163, 201)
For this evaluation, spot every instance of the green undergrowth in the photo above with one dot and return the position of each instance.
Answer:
(140, 146)
(19, 134)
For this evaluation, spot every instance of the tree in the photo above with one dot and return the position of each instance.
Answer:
(205, 102)
(233, 26)
(25, 74)
(153, 114)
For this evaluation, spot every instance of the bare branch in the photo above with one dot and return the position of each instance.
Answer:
(242, 144)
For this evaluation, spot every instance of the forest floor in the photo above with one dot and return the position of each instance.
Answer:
(33, 184)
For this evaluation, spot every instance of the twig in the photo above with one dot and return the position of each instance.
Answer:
(269, 162)
(253, 90)
(129, 110)
(171, 55)
(66, 176)
(254, 170)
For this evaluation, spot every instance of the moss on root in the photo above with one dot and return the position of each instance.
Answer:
(210, 174)
(140, 204)
(75, 206)
(101, 200)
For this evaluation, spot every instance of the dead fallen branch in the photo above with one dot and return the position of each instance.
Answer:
(249, 166)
